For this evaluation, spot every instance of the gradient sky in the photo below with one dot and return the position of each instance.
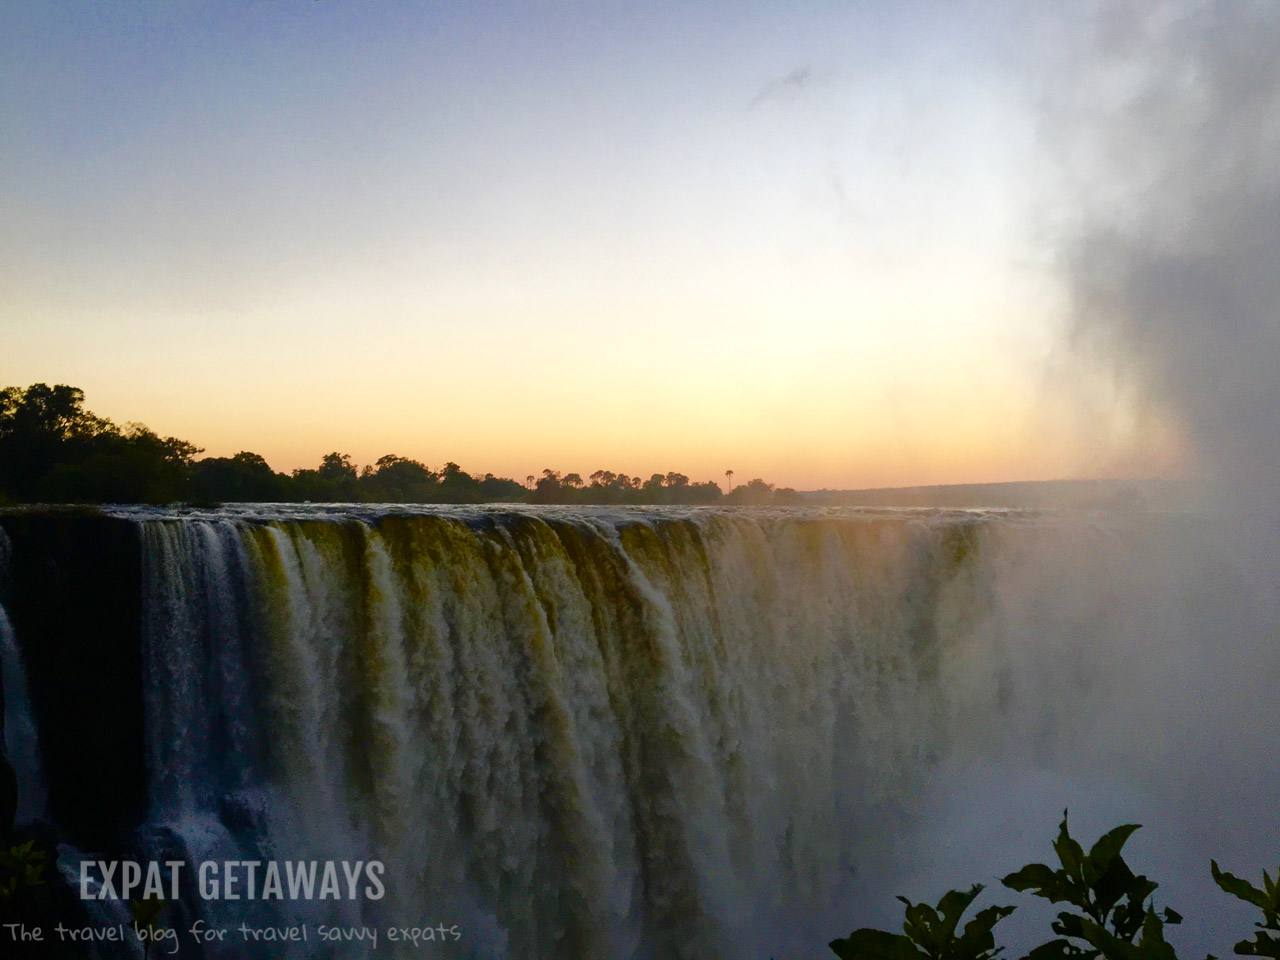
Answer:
(802, 243)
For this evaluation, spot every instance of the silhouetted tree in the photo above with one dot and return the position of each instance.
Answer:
(337, 467)
(400, 480)
(754, 492)
(495, 489)
(457, 486)
(548, 488)
(52, 449)
(246, 477)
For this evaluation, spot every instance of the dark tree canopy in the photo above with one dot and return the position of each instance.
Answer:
(53, 450)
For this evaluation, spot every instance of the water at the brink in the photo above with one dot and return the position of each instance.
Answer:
(691, 733)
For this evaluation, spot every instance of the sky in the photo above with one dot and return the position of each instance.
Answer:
(818, 243)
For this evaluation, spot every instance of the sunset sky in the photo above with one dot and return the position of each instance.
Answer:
(811, 242)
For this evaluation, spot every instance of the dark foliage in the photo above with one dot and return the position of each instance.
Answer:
(1109, 913)
(929, 933)
(53, 450)
(1265, 942)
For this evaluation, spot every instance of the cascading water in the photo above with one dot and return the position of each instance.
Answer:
(568, 734)
(658, 733)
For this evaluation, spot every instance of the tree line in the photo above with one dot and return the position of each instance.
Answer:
(53, 450)
(605, 486)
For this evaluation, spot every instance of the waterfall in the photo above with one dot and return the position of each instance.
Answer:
(571, 733)
(649, 733)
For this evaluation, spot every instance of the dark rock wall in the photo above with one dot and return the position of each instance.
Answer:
(74, 598)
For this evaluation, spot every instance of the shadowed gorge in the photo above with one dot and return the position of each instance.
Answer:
(73, 598)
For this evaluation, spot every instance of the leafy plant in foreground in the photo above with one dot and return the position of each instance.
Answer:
(930, 933)
(22, 869)
(1114, 919)
(1263, 943)
(146, 920)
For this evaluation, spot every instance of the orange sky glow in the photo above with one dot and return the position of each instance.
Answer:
(800, 245)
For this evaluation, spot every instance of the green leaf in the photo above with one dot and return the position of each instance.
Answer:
(145, 912)
(923, 927)
(1112, 886)
(953, 905)
(1128, 919)
(1069, 851)
(1152, 946)
(1152, 929)
(1034, 876)
(1048, 884)
(1069, 925)
(978, 939)
(1262, 945)
(1105, 850)
(1060, 950)
(868, 944)
(1239, 888)
(1107, 943)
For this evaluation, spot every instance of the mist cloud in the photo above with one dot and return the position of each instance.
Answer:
(1167, 124)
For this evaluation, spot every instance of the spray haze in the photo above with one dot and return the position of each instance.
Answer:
(1137, 690)
(1167, 126)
